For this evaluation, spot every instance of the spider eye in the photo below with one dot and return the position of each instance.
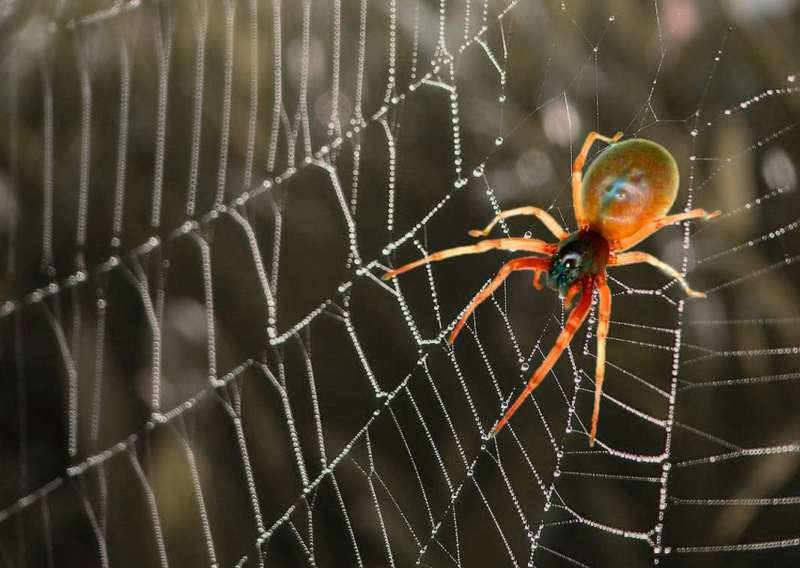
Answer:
(570, 261)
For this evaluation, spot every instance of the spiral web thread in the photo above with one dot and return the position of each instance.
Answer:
(413, 511)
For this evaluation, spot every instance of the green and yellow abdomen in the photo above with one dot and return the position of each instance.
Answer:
(628, 185)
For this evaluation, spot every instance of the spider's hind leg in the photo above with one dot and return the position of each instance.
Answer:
(660, 223)
(577, 172)
(636, 257)
(547, 220)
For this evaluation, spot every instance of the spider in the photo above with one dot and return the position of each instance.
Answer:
(623, 199)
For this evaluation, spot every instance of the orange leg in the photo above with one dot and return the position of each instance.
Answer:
(545, 217)
(573, 323)
(525, 263)
(528, 245)
(577, 172)
(656, 224)
(636, 257)
(604, 320)
(570, 295)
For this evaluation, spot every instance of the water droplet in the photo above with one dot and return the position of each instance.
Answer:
(791, 78)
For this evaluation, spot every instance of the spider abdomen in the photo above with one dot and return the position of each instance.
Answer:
(628, 185)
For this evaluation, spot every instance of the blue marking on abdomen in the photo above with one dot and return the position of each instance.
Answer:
(614, 191)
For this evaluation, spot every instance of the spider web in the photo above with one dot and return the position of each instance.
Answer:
(202, 366)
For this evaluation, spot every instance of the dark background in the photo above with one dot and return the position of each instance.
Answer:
(77, 74)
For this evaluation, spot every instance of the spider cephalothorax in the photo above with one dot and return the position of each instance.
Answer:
(624, 199)
(583, 253)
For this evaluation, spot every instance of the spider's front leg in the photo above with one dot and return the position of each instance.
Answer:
(576, 318)
(528, 245)
(525, 263)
